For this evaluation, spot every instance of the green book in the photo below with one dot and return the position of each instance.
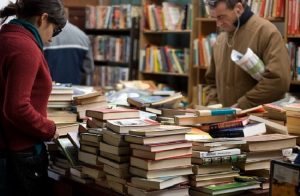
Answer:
(230, 187)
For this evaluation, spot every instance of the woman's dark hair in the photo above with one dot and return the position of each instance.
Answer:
(230, 3)
(25, 9)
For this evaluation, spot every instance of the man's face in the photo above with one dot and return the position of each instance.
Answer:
(225, 17)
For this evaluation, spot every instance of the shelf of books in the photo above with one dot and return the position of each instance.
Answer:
(113, 30)
(292, 26)
(165, 43)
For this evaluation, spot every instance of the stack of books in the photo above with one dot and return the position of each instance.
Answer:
(160, 160)
(260, 150)
(292, 118)
(115, 151)
(88, 101)
(61, 96)
(88, 155)
(213, 161)
(59, 109)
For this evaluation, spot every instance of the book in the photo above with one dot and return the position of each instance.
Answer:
(63, 129)
(259, 165)
(162, 154)
(110, 114)
(292, 107)
(134, 191)
(228, 187)
(240, 158)
(210, 169)
(69, 150)
(118, 172)
(239, 122)
(256, 109)
(160, 131)
(88, 158)
(116, 158)
(114, 149)
(158, 183)
(270, 125)
(212, 176)
(269, 142)
(113, 164)
(175, 171)
(196, 120)
(123, 126)
(161, 146)
(113, 138)
(226, 152)
(168, 112)
(92, 172)
(160, 164)
(153, 100)
(90, 137)
(248, 130)
(74, 138)
(218, 112)
(154, 140)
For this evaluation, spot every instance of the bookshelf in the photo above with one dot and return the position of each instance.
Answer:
(292, 38)
(115, 42)
(204, 25)
(165, 49)
(114, 37)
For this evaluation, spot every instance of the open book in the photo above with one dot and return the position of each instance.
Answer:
(249, 62)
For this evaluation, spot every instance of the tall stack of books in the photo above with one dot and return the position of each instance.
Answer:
(89, 101)
(59, 109)
(160, 160)
(61, 96)
(115, 151)
(88, 154)
(213, 161)
(292, 118)
(260, 150)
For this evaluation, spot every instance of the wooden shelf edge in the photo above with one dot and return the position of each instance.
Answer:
(296, 82)
(111, 63)
(165, 73)
(293, 36)
(166, 31)
(210, 19)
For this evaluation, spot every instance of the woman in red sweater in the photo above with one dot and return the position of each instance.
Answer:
(25, 86)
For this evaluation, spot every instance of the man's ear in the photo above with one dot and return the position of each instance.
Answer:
(239, 9)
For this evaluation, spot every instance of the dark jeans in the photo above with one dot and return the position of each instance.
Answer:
(3, 174)
(28, 174)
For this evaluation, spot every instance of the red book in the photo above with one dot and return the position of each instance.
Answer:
(240, 122)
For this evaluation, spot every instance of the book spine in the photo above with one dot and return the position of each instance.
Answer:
(241, 158)
(229, 152)
(227, 133)
(218, 112)
(224, 125)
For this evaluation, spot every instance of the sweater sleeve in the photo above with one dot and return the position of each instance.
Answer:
(18, 109)
(276, 78)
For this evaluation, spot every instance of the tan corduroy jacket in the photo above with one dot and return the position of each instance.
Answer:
(234, 85)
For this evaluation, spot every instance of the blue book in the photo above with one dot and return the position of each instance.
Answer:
(248, 130)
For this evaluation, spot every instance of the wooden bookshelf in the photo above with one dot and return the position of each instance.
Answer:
(164, 39)
(115, 43)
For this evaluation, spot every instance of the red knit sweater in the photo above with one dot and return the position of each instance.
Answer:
(25, 85)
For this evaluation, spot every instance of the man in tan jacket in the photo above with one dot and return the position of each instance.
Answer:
(240, 30)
